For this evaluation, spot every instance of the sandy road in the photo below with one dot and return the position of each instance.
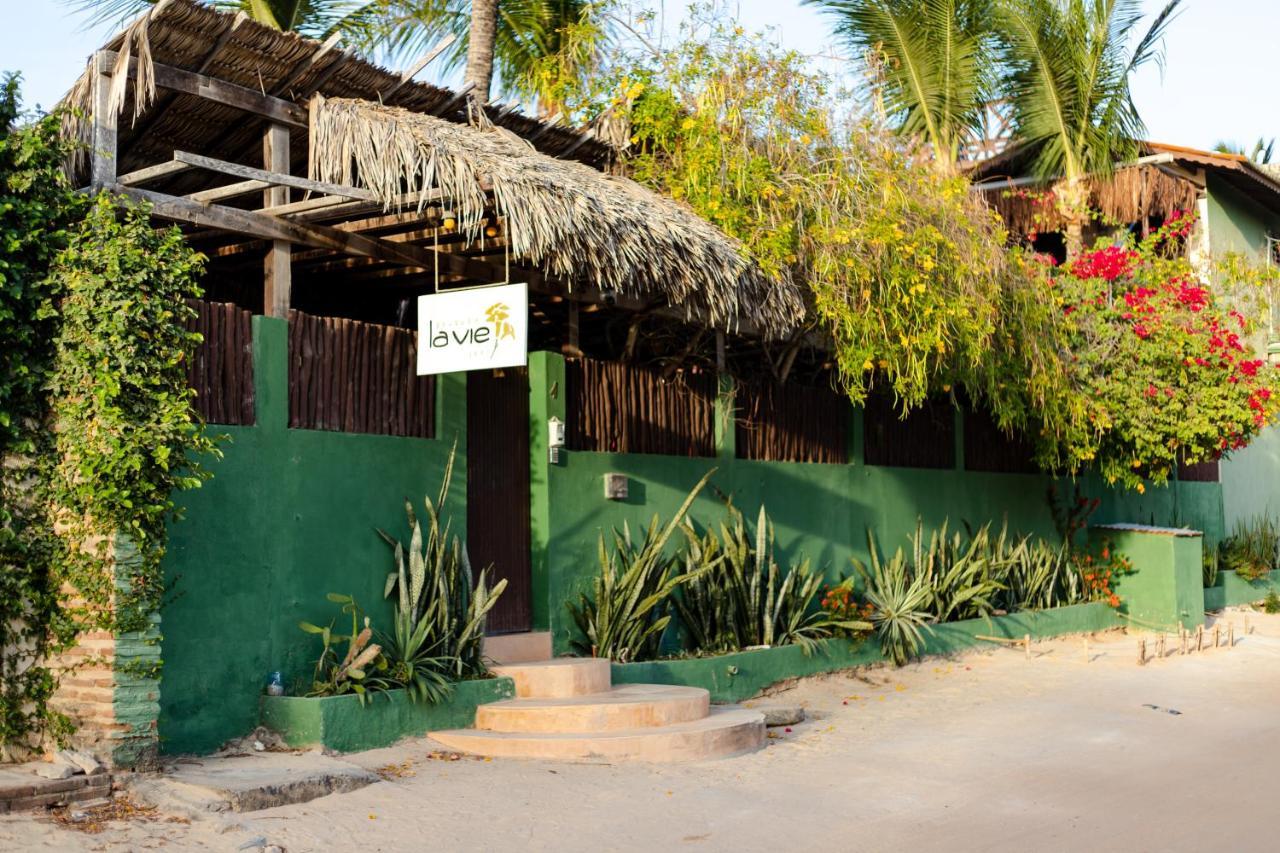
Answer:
(986, 751)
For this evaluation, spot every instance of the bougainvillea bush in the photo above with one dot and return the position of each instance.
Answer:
(1153, 363)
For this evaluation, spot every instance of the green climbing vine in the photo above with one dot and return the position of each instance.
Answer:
(38, 207)
(96, 428)
(125, 436)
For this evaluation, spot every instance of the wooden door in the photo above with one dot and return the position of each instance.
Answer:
(498, 490)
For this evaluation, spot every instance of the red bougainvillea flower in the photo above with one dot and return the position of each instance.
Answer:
(1107, 264)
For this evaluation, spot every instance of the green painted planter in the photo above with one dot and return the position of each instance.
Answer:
(1233, 590)
(341, 723)
(741, 675)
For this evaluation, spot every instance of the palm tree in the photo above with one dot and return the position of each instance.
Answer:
(313, 18)
(1261, 152)
(933, 64)
(508, 38)
(1068, 68)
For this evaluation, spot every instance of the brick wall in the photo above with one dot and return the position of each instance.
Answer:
(110, 687)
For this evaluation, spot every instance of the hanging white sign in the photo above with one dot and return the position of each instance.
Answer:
(473, 329)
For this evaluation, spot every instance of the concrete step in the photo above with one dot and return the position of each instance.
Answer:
(632, 706)
(518, 648)
(726, 731)
(559, 678)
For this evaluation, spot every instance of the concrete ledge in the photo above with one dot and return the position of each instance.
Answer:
(1233, 590)
(741, 675)
(341, 723)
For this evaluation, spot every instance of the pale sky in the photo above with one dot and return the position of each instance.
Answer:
(1219, 82)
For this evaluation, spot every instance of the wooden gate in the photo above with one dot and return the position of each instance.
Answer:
(498, 489)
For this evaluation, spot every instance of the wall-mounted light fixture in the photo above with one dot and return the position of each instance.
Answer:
(555, 439)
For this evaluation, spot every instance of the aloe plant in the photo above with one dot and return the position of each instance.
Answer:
(626, 614)
(900, 598)
(739, 597)
(440, 614)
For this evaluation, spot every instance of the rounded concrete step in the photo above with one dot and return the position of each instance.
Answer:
(726, 731)
(632, 706)
(559, 678)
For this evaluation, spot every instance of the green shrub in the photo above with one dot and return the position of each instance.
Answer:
(1271, 604)
(361, 670)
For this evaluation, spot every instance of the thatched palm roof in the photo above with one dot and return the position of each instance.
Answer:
(1127, 195)
(228, 46)
(575, 221)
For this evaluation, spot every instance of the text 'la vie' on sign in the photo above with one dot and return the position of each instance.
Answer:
(473, 329)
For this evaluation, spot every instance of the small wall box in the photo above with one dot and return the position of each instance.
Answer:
(615, 487)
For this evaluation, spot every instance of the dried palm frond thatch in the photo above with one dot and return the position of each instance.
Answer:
(1128, 195)
(576, 222)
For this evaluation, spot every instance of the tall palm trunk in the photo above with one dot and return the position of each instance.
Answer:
(484, 26)
(1073, 204)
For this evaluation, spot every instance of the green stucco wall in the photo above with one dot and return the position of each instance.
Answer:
(822, 511)
(1251, 480)
(288, 516)
(1166, 586)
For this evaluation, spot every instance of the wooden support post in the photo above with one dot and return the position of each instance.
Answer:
(1199, 638)
(720, 356)
(1216, 629)
(572, 347)
(1142, 651)
(1182, 640)
(1231, 635)
(1160, 648)
(277, 270)
(1026, 642)
(103, 148)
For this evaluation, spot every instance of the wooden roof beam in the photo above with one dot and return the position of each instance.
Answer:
(267, 227)
(213, 89)
(275, 179)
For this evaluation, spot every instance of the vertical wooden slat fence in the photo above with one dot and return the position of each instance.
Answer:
(988, 448)
(1199, 472)
(617, 408)
(924, 439)
(221, 369)
(348, 376)
(790, 423)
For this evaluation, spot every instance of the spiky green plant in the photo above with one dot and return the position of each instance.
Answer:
(739, 597)
(1252, 550)
(625, 616)
(1210, 565)
(958, 574)
(1036, 574)
(440, 614)
(900, 598)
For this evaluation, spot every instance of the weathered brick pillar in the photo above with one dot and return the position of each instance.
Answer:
(111, 687)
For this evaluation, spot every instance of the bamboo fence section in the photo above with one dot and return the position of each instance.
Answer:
(220, 370)
(349, 376)
(617, 408)
(791, 423)
(923, 439)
